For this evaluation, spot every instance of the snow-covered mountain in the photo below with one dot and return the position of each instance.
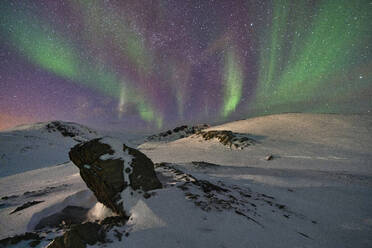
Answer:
(34, 146)
(314, 192)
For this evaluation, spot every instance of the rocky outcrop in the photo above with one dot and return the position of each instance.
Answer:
(79, 236)
(116, 173)
(33, 238)
(68, 129)
(88, 233)
(177, 133)
(227, 138)
(26, 205)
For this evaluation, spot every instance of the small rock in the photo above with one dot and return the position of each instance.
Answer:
(269, 157)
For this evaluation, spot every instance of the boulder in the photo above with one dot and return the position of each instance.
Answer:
(117, 174)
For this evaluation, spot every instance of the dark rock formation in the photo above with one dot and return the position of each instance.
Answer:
(26, 205)
(109, 167)
(33, 237)
(177, 133)
(79, 236)
(89, 233)
(227, 138)
(269, 157)
(67, 129)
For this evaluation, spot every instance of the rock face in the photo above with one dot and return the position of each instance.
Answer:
(116, 173)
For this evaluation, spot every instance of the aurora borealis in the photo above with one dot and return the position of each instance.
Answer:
(146, 65)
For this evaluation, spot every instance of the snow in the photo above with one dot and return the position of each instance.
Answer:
(36, 146)
(321, 171)
(54, 185)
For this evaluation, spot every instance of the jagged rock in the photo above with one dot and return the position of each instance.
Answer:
(67, 129)
(227, 138)
(177, 133)
(26, 205)
(88, 233)
(116, 173)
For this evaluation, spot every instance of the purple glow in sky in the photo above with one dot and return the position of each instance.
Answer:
(146, 65)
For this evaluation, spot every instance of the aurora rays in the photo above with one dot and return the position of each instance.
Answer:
(154, 65)
(334, 38)
(233, 83)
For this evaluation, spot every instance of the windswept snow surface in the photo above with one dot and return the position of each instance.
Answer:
(322, 169)
(315, 192)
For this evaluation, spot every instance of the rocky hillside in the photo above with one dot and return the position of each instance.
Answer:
(227, 138)
(177, 133)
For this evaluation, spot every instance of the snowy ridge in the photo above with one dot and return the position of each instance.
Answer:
(38, 145)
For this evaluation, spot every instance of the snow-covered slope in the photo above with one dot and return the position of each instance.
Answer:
(38, 145)
(333, 141)
(314, 192)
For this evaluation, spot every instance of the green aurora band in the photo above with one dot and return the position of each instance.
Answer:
(45, 48)
(233, 83)
(292, 72)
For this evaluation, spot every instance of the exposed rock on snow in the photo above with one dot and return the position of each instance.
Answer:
(219, 196)
(26, 205)
(203, 165)
(68, 129)
(227, 138)
(177, 133)
(269, 157)
(116, 173)
(34, 239)
(88, 233)
(79, 236)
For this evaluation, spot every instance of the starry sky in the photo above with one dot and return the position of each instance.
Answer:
(145, 65)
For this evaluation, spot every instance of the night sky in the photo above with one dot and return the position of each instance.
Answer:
(147, 65)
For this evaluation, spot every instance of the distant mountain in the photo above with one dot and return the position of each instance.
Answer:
(33, 146)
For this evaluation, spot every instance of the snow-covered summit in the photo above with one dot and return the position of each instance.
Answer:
(33, 146)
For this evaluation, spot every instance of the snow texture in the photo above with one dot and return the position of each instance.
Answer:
(314, 192)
